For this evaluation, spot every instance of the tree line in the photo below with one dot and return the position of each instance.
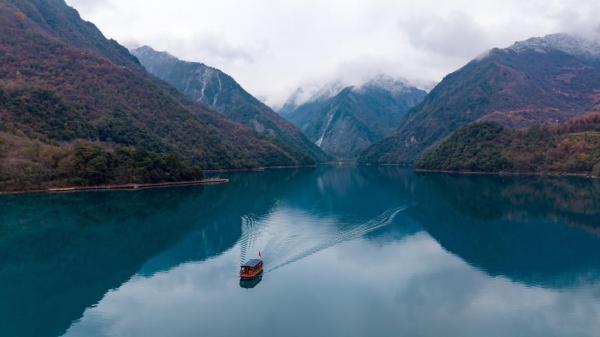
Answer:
(27, 164)
(572, 147)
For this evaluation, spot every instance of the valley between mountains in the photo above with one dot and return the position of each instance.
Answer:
(79, 109)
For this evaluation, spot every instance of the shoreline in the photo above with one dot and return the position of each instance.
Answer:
(260, 169)
(217, 180)
(503, 173)
(132, 187)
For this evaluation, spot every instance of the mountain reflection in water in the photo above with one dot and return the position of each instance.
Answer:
(358, 250)
(515, 226)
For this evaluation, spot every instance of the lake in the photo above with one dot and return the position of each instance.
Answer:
(348, 251)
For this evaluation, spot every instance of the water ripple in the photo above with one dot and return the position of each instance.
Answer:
(287, 240)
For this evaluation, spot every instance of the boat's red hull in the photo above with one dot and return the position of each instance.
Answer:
(251, 273)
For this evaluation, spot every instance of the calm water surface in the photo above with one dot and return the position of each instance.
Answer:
(348, 252)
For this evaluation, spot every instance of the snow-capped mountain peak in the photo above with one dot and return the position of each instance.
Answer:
(327, 91)
(309, 94)
(386, 82)
(570, 44)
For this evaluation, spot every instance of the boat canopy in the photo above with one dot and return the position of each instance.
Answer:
(252, 263)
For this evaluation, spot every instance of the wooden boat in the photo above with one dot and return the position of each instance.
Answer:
(251, 268)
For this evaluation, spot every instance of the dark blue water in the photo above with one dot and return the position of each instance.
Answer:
(367, 251)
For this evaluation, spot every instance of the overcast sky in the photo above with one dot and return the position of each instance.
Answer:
(272, 47)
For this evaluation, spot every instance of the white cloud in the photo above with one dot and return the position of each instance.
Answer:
(207, 47)
(456, 35)
(271, 47)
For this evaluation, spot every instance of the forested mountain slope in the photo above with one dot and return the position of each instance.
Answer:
(222, 93)
(62, 82)
(572, 147)
(541, 80)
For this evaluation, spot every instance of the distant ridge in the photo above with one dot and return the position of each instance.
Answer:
(344, 120)
(570, 44)
(541, 80)
(64, 86)
(221, 92)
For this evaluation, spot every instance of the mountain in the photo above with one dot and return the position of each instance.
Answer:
(541, 80)
(62, 82)
(221, 92)
(292, 103)
(344, 120)
(572, 147)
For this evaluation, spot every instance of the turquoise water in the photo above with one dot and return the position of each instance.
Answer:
(348, 251)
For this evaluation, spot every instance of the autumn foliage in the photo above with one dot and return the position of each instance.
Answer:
(572, 147)
(516, 89)
(62, 83)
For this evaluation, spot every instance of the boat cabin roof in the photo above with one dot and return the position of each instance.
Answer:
(252, 263)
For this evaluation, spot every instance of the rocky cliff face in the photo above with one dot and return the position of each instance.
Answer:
(541, 80)
(344, 120)
(221, 92)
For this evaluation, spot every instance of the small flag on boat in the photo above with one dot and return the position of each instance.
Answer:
(259, 254)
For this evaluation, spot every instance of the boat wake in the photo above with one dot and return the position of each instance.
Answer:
(285, 237)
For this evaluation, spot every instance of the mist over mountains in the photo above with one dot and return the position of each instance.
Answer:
(219, 91)
(82, 101)
(357, 115)
(344, 120)
(71, 101)
(541, 80)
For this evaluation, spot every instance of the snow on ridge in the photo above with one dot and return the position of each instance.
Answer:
(388, 83)
(327, 91)
(313, 93)
(570, 44)
(382, 81)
